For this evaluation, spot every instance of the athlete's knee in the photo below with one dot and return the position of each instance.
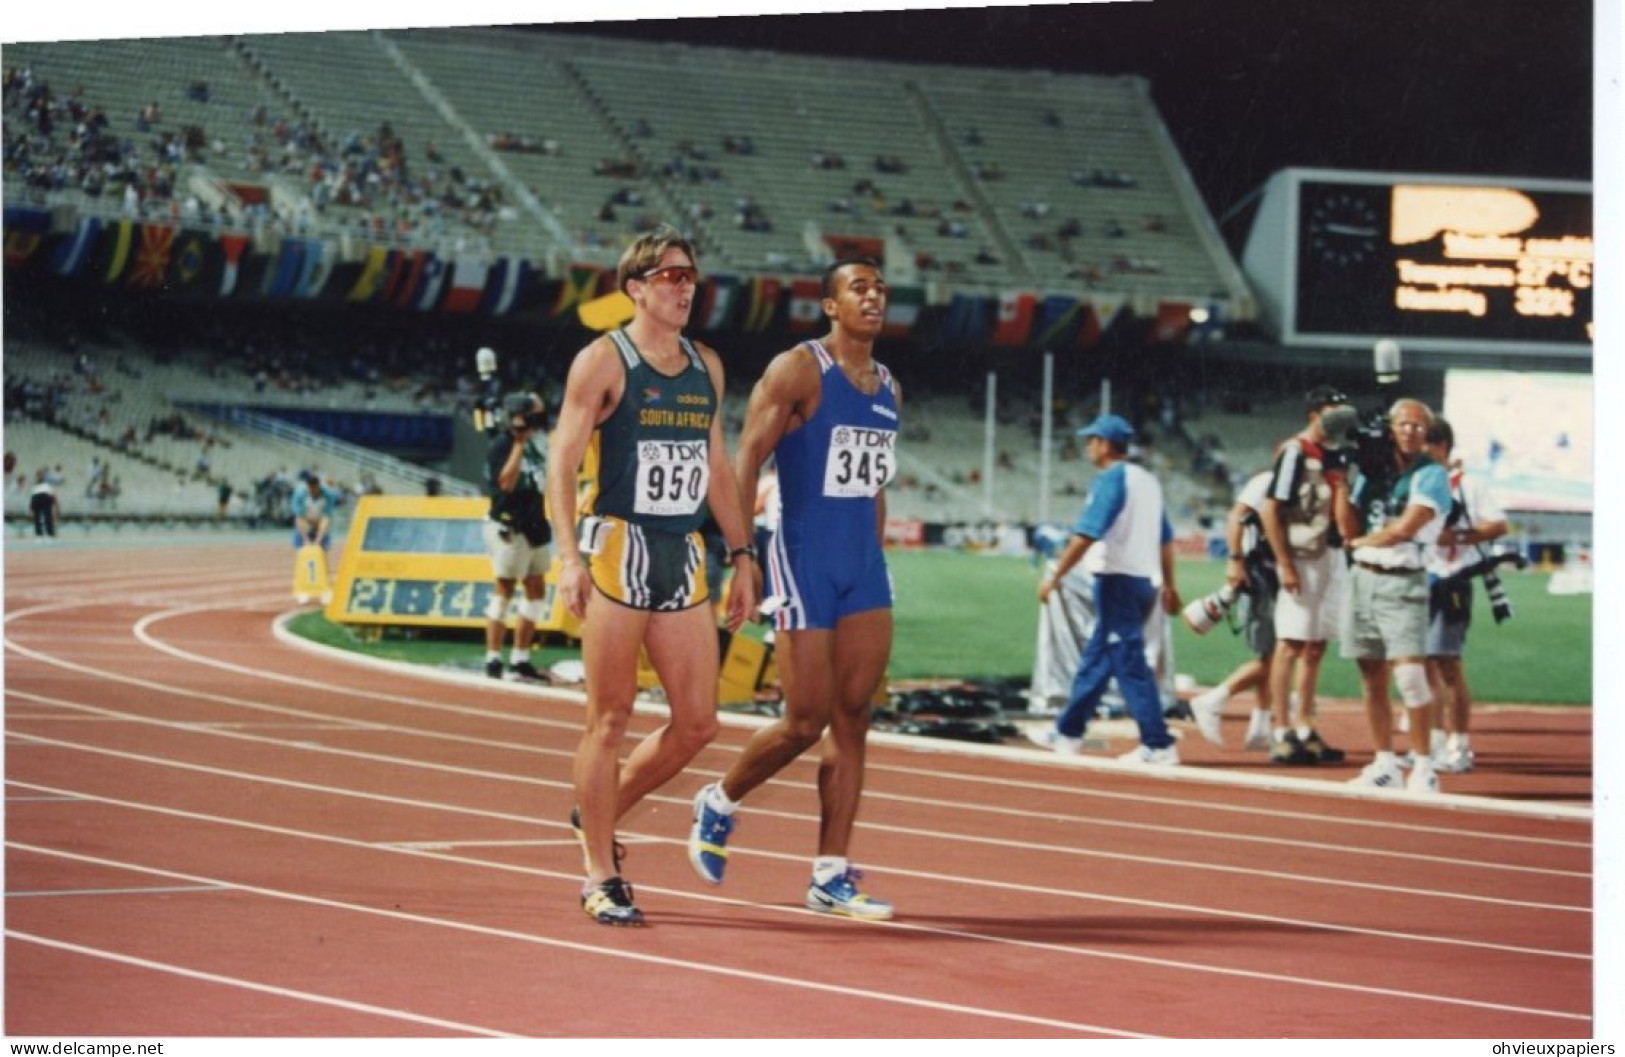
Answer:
(1412, 679)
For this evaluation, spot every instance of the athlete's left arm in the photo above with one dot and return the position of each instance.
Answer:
(722, 493)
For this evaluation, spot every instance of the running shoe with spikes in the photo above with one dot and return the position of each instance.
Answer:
(619, 849)
(610, 903)
(708, 839)
(840, 895)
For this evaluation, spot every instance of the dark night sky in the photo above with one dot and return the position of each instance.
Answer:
(1477, 87)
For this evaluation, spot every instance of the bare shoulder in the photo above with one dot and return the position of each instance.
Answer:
(793, 372)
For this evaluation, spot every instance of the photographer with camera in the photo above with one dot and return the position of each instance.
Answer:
(517, 532)
(1456, 557)
(1389, 518)
(1252, 581)
(1305, 484)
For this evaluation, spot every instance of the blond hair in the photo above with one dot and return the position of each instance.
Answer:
(646, 250)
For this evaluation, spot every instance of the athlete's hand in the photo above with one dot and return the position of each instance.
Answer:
(744, 594)
(575, 587)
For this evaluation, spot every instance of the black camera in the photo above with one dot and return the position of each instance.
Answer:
(1500, 604)
(526, 404)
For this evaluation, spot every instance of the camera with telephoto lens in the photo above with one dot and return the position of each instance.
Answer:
(1500, 604)
(1201, 615)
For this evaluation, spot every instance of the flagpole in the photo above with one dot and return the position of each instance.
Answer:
(987, 445)
(1044, 437)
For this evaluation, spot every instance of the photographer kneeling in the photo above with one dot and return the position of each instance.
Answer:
(517, 532)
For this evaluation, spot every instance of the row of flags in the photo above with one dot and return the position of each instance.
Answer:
(186, 262)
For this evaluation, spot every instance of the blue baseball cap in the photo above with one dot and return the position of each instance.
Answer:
(1113, 429)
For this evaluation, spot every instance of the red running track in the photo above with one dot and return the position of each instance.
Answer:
(212, 831)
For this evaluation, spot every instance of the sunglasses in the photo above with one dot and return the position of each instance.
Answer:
(671, 275)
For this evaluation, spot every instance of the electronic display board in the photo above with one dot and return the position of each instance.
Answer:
(419, 560)
(1439, 264)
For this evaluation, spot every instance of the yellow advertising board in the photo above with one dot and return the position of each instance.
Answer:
(421, 560)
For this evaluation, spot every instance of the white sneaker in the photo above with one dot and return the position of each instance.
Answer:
(1050, 738)
(1168, 756)
(1423, 779)
(1258, 732)
(1453, 761)
(1379, 776)
(1208, 709)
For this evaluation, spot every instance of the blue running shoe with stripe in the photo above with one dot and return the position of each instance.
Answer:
(840, 895)
(708, 839)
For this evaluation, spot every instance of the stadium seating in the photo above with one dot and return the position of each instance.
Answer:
(939, 167)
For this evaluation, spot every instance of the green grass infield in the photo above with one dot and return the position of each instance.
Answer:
(975, 616)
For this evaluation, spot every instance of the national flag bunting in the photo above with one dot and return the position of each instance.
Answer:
(806, 304)
(718, 301)
(764, 303)
(115, 250)
(580, 283)
(283, 277)
(73, 251)
(232, 246)
(152, 258)
(1015, 319)
(315, 269)
(468, 275)
(902, 310)
(372, 276)
(432, 285)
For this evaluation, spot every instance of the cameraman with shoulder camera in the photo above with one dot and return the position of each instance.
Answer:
(1303, 492)
(1474, 519)
(1389, 518)
(517, 532)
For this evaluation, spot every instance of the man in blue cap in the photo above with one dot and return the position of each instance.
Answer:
(1123, 514)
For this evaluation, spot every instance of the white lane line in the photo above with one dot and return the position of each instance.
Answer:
(959, 879)
(268, 989)
(1322, 819)
(395, 760)
(582, 948)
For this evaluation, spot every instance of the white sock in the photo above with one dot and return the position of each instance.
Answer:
(1436, 741)
(493, 655)
(827, 868)
(718, 800)
(1304, 731)
(518, 656)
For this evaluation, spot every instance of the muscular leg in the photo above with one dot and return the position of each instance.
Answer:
(862, 647)
(806, 661)
(610, 638)
(683, 651)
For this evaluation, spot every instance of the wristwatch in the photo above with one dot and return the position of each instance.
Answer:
(748, 550)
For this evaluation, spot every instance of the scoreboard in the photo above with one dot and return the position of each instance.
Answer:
(1445, 264)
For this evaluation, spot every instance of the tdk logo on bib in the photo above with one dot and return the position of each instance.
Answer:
(857, 437)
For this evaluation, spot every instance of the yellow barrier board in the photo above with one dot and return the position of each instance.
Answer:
(421, 561)
(310, 574)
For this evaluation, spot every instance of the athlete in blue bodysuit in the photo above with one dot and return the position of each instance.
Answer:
(827, 414)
